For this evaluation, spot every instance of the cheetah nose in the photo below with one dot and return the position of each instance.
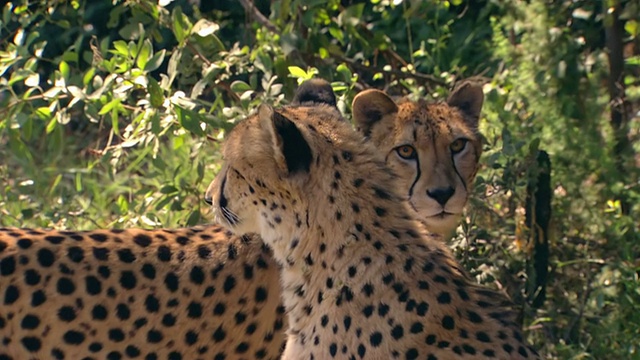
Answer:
(208, 199)
(441, 195)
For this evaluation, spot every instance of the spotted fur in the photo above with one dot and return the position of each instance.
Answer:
(361, 277)
(196, 293)
(433, 147)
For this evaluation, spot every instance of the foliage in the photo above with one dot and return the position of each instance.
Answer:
(112, 112)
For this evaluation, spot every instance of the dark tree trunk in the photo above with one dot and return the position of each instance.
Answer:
(537, 218)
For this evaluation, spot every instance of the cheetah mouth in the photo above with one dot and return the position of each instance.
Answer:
(229, 216)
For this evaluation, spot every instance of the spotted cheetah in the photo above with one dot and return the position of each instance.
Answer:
(115, 281)
(433, 147)
(361, 277)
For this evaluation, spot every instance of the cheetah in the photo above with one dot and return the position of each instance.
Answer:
(361, 276)
(90, 321)
(193, 293)
(434, 148)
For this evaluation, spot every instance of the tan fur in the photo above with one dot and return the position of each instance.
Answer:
(431, 129)
(210, 295)
(361, 278)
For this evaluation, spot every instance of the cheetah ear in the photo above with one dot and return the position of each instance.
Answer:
(468, 98)
(371, 107)
(290, 149)
(314, 92)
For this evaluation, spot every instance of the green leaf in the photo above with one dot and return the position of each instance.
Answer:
(121, 48)
(240, 86)
(155, 61)
(64, 69)
(189, 120)
(144, 54)
(109, 106)
(156, 96)
(194, 218)
(168, 189)
(297, 72)
(205, 27)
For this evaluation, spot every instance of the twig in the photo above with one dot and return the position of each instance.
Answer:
(254, 13)
(397, 73)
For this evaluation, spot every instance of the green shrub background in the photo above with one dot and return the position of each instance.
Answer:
(111, 114)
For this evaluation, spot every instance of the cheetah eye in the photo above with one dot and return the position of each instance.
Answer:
(406, 152)
(458, 145)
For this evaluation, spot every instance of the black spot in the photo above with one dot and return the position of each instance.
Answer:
(32, 277)
(416, 328)
(123, 312)
(397, 332)
(448, 322)
(444, 298)
(324, 320)
(66, 314)
(100, 253)
(73, 337)
(411, 354)
(383, 310)
(54, 239)
(154, 336)
(219, 309)
(182, 240)
(483, 337)
(261, 294)
(152, 304)
(45, 257)
(242, 348)
(142, 240)
(375, 339)
(31, 343)
(126, 256)
(191, 337)
(149, 271)
(37, 298)
(196, 275)
(367, 311)
(7, 266)
(132, 351)
(380, 211)
(333, 349)
(57, 354)
(65, 286)
(381, 193)
(232, 251)
(98, 237)
(104, 271)
(99, 312)
(168, 320)
(194, 310)
(171, 282)
(219, 335)
(22, 244)
(204, 252)
(468, 349)
(128, 279)
(75, 254)
(358, 182)
(30, 322)
(474, 317)
(164, 253)
(229, 284)
(422, 308)
(116, 335)
(367, 289)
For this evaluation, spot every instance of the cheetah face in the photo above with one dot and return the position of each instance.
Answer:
(267, 161)
(434, 149)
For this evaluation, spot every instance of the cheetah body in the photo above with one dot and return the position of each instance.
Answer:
(149, 294)
(361, 277)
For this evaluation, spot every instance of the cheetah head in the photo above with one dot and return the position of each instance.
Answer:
(273, 160)
(434, 148)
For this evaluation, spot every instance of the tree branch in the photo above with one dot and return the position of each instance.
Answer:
(254, 13)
